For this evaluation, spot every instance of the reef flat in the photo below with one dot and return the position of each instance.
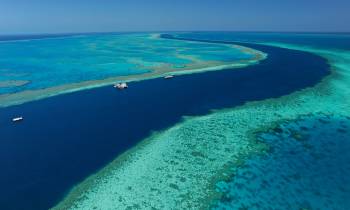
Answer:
(181, 166)
(55, 66)
(12, 83)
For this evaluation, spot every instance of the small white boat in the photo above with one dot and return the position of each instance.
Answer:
(17, 119)
(121, 86)
(168, 77)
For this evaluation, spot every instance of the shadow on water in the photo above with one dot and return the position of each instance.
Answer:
(64, 139)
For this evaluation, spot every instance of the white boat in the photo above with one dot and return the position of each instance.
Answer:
(168, 77)
(17, 119)
(121, 86)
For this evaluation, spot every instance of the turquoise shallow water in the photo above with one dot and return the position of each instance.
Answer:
(44, 63)
(307, 167)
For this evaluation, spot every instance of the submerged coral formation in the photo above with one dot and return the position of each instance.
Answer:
(306, 167)
(180, 167)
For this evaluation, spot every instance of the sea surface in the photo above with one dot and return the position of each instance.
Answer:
(66, 138)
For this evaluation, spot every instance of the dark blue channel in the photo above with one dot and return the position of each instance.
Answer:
(64, 139)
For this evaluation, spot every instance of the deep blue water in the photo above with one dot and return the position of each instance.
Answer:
(307, 167)
(65, 138)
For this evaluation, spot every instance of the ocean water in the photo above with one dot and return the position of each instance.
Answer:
(306, 167)
(65, 139)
